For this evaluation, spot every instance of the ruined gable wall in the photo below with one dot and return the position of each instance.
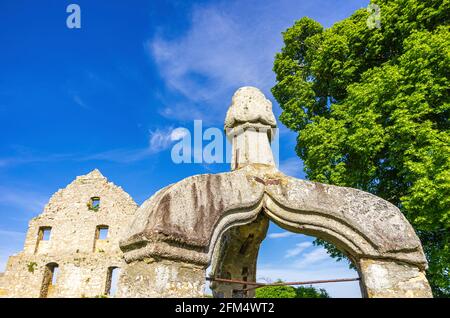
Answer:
(83, 261)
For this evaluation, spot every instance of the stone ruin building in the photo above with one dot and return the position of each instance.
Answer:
(72, 248)
(216, 220)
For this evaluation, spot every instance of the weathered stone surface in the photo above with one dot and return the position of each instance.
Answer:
(212, 218)
(160, 278)
(235, 257)
(251, 145)
(83, 261)
(192, 213)
(387, 279)
(361, 223)
(249, 105)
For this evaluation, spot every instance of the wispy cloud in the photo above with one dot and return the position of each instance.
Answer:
(227, 45)
(329, 271)
(26, 158)
(216, 53)
(178, 133)
(184, 112)
(230, 44)
(311, 258)
(76, 98)
(303, 262)
(159, 140)
(12, 235)
(299, 248)
(29, 201)
(280, 235)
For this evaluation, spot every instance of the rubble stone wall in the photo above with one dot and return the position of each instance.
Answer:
(84, 258)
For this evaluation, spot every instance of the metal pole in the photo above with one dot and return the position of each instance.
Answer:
(258, 285)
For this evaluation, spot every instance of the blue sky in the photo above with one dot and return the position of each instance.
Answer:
(108, 96)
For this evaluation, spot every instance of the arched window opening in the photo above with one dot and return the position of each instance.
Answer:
(49, 280)
(112, 279)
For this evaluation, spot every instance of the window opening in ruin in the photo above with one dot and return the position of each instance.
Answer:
(55, 275)
(102, 232)
(44, 234)
(112, 279)
(50, 279)
(94, 204)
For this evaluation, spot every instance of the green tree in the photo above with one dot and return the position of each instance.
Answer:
(371, 108)
(275, 292)
(290, 292)
(310, 292)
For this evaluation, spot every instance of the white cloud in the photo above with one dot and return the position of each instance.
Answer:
(184, 112)
(178, 134)
(280, 235)
(76, 98)
(313, 265)
(323, 269)
(216, 54)
(311, 258)
(160, 139)
(230, 44)
(332, 271)
(29, 201)
(118, 155)
(299, 248)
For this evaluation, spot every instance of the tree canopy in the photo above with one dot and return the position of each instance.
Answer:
(371, 108)
(290, 292)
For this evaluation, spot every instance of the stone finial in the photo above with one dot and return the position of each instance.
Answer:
(249, 105)
(250, 126)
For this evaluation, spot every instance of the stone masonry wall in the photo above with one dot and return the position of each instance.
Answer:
(84, 262)
(2, 285)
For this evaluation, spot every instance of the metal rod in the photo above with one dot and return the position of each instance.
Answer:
(258, 285)
(233, 281)
(307, 282)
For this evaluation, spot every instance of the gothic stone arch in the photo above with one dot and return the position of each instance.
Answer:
(220, 220)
